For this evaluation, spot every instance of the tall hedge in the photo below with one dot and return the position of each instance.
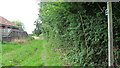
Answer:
(81, 28)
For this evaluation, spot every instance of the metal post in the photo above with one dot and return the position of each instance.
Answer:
(110, 35)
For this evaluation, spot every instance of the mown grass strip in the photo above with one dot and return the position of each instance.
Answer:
(50, 57)
(34, 60)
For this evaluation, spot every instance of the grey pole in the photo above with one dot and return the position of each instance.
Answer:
(110, 35)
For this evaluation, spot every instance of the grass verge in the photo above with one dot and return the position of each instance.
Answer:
(34, 53)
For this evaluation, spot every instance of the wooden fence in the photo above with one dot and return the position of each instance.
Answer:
(10, 34)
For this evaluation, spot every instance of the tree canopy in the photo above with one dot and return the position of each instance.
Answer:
(38, 30)
(20, 24)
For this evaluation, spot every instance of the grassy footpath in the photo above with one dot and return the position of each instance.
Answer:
(33, 53)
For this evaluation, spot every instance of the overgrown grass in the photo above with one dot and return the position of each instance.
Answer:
(34, 53)
(8, 46)
(0, 54)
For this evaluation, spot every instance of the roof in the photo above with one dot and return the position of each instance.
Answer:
(4, 21)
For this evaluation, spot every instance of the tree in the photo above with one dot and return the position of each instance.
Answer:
(38, 30)
(20, 24)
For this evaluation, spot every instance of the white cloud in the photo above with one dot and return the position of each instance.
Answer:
(24, 10)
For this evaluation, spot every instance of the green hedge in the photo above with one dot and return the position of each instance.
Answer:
(81, 28)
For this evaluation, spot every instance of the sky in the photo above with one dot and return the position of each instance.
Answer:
(25, 11)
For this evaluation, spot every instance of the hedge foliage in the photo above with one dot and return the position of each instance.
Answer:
(81, 28)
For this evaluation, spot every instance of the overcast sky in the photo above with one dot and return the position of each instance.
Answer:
(25, 11)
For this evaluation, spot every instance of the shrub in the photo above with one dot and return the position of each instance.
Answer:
(81, 30)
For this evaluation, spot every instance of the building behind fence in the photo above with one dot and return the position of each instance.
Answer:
(10, 31)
